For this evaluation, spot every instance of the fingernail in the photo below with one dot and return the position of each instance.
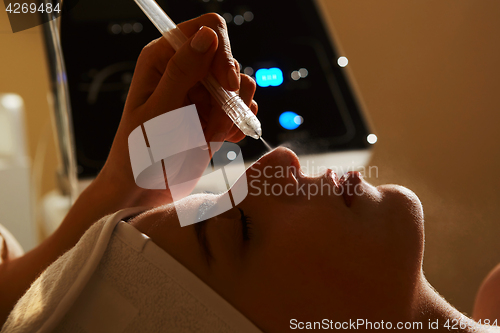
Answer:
(202, 40)
(234, 79)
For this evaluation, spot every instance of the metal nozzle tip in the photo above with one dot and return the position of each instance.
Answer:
(252, 126)
(255, 135)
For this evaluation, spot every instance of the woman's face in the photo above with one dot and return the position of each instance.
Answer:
(303, 248)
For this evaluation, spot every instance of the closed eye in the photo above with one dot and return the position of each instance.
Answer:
(246, 225)
(200, 228)
(201, 234)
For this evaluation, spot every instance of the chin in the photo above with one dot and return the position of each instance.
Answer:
(404, 198)
(406, 223)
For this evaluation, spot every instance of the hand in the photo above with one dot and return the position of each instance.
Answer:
(166, 80)
(163, 81)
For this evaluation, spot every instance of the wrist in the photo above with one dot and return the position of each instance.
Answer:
(125, 192)
(114, 184)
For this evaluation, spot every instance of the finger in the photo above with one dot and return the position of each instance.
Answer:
(219, 125)
(246, 93)
(200, 96)
(235, 135)
(223, 68)
(237, 69)
(148, 71)
(247, 90)
(190, 64)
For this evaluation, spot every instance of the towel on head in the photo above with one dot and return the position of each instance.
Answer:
(117, 280)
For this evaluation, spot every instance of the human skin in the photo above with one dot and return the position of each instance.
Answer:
(163, 81)
(299, 261)
(310, 258)
(487, 305)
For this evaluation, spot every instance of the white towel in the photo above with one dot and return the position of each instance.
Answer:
(117, 280)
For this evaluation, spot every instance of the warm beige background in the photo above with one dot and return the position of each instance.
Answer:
(23, 70)
(429, 74)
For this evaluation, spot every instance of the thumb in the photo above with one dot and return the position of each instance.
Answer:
(189, 65)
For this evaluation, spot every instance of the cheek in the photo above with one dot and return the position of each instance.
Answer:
(300, 242)
(338, 244)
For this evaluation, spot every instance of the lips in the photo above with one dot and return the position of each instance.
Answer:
(339, 185)
(332, 177)
(345, 186)
(348, 186)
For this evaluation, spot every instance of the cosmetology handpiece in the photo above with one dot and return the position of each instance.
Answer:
(230, 102)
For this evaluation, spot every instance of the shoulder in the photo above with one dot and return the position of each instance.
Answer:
(9, 247)
(487, 305)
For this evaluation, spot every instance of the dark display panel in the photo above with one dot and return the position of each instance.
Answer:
(102, 40)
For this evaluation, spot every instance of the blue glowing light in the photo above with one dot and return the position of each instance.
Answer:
(266, 77)
(290, 120)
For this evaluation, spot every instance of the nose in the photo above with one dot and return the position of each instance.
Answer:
(279, 165)
(283, 156)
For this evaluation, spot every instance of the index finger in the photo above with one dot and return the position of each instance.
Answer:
(223, 66)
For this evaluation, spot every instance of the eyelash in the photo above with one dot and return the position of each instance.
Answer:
(246, 225)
